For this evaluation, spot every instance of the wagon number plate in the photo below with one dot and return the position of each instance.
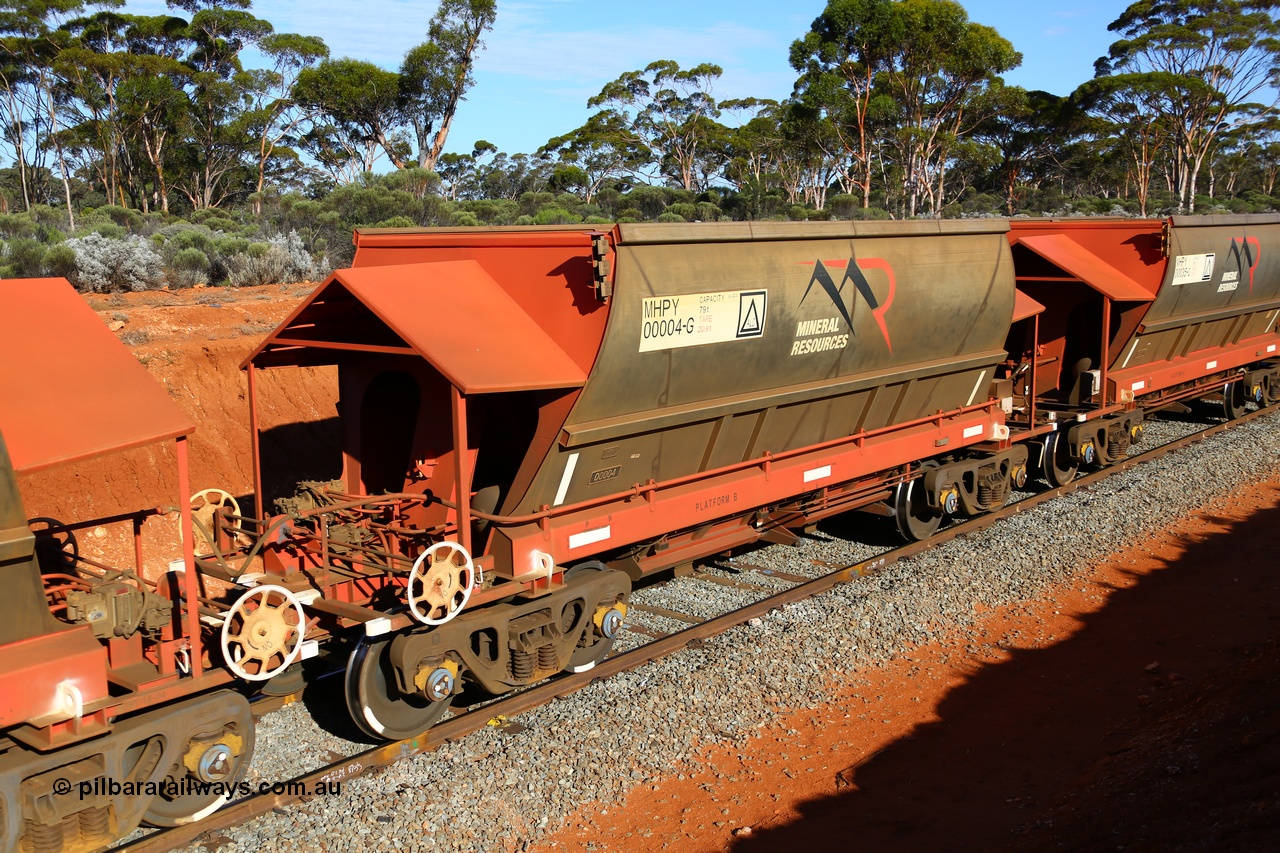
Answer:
(696, 319)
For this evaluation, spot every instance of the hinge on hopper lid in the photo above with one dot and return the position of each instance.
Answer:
(601, 267)
(1164, 240)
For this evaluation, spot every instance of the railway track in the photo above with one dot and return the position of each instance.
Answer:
(659, 644)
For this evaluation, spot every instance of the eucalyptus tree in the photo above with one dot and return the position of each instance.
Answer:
(918, 71)
(842, 58)
(1026, 132)
(668, 110)
(756, 145)
(30, 98)
(1199, 63)
(98, 55)
(455, 171)
(945, 81)
(356, 112)
(1231, 159)
(1132, 109)
(275, 115)
(1266, 140)
(511, 176)
(436, 75)
(814, 159)
(604, 149)
(218, 141)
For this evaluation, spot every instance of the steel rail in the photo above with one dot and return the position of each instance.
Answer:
(242, 810)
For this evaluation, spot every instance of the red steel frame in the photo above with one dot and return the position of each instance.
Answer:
(1157, 376)
(180, 641)
(650, 510)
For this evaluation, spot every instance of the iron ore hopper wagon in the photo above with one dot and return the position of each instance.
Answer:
(114, 707)
(534, 419)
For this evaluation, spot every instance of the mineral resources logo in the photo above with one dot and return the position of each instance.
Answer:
(828, 333)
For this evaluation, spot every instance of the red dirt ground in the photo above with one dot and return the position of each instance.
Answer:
(1137, 708)
(193, 341)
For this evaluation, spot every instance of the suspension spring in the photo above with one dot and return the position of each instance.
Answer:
(44, 837)
(95, 823)
(522, 663)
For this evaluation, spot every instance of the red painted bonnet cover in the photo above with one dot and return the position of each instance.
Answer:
(69, 390)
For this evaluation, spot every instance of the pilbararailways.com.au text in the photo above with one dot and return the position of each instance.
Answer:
(104, 787)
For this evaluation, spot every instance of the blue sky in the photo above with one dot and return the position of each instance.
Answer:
(545, 58)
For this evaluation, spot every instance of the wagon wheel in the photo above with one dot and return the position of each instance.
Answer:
(916, 520)
(262, 634)
(376, 704)
(205, 505)
(597, 640)
(1233, 399)
(1056, 463)
(440, 583)
(56, 544)
(219, 756)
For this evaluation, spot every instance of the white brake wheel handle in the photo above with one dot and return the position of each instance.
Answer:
(457, 596)
(264, 592)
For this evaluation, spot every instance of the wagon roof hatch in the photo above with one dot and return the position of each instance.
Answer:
(69, 390)
(451, 313)
(1088, 267)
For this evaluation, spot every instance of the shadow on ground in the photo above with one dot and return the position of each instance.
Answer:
(1084, 745)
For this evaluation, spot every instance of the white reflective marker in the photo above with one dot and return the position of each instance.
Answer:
(565, 478)
(817, 473)
(976, 386)
(589, 537)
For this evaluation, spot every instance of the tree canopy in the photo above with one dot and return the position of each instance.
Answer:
(122, 132)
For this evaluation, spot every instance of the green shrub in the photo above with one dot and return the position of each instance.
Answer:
(496, 211)
(189, 267)
(609, 200)
(60, 261)
(708, 212)
(226, 226)
(531, 203)
(555, 216)
(650, 201)
(45, 216)
(109, 230)
(870, 213)
(24, 258)
(982, 203)
(126, 218)
(16, 225)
